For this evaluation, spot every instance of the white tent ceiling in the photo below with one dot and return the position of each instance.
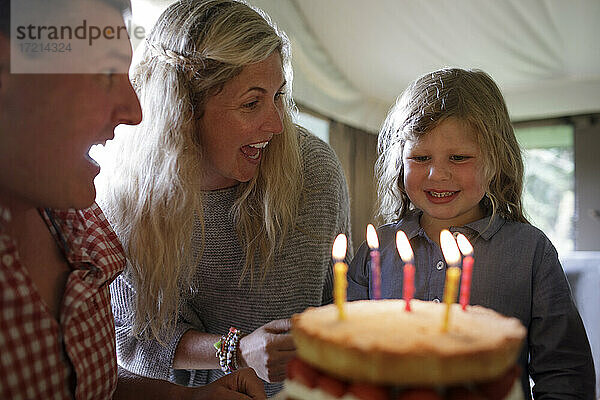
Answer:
(352, 58)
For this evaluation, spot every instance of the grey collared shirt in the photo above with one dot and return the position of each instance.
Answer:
(516, 273)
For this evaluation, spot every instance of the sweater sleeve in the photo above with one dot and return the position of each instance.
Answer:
(342, 217)
(342, 226)
(145, 357)
(326, 193)
(561, 364)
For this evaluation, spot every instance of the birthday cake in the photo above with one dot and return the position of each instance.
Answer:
(381, 351)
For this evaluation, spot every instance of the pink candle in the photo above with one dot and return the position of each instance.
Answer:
(373, 243)
(409, 284)
(406, 254)
(467, 269)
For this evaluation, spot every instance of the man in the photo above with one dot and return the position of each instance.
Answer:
(58, 254)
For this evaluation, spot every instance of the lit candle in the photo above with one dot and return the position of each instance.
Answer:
(340, 269)
(406, 254)
(452, 256)
(373, 243)
(467, 269)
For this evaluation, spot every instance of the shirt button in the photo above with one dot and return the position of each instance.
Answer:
(440, 265)
(436, 300)
(7, 260)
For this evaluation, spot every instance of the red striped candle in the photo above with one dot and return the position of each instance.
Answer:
(406, 254)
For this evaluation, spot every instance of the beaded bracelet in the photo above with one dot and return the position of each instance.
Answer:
(227, 350)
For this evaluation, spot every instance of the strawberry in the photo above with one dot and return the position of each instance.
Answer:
(368, 391)
(419, 394)
(500, 387)
(461, 393)
(331, 385)
(301, 372)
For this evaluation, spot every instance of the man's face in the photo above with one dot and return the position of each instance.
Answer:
(50, 121)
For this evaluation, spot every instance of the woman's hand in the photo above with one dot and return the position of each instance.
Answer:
(268, 349)
(239, 385)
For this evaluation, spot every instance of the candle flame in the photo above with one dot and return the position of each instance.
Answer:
(372, 240)
(463, 243)
(339, 247)
(449, 248)
(403, 246)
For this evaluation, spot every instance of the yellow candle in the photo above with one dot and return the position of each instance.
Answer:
(452, 256)
(450, 289)
(340, 283)
(340, 286)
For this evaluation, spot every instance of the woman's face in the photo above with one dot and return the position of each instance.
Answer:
(443, 174)
(239, 121)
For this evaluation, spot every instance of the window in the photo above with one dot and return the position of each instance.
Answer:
(315, 125)
(548, 195)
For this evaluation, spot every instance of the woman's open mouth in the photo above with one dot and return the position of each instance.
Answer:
(254, 151)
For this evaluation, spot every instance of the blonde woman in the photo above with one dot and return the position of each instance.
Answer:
(226, 209)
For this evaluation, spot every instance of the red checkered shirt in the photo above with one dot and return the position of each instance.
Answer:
(39, 356)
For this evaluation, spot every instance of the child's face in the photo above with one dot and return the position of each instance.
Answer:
(443, 174)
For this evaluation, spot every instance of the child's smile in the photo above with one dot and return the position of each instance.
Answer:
(440, 197)
(443, 175)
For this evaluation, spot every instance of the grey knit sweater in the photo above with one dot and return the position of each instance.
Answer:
(300, 277)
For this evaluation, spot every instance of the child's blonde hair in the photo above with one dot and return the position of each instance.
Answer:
(470, 96)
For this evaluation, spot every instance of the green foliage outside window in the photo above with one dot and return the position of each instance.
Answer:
(548, 197)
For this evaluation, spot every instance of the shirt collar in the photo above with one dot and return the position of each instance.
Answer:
(85, 237)
(88, 242)
(485, 227)
(410, 224)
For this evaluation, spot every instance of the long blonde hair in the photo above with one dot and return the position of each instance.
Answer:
(472, 97)
(153, 196)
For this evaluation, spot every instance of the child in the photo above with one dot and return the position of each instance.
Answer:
(448, 159)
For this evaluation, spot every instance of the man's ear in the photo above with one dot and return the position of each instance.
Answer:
(4, 58)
